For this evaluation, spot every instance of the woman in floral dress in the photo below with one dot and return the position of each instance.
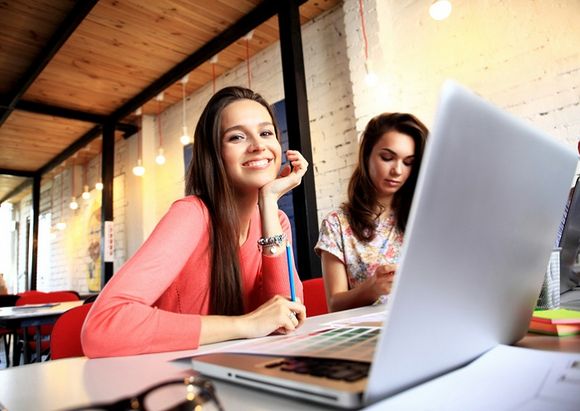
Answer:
(360, 242)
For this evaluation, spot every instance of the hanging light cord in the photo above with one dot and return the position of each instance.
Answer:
(248, 63)
(159, 123)
(364, 31)
(139, 140)
(72, 189)
(61, 196)
(183, 103)
(84, 176)
(213, 76)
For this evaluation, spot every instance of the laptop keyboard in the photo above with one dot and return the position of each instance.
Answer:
(338, 341)
(349, 371)
(349, 343)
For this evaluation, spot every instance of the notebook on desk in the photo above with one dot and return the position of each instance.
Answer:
(489, 198)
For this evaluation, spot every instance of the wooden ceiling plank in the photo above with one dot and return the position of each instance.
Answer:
(251, 20)
(71, 149)
(64, 31)
(139, 44)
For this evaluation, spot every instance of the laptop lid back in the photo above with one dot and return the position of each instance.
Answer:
(490, 195)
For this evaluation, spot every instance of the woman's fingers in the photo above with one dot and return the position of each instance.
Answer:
(290, 175)
(285, 315)
(286, 170)
(298, 162)
(386, 269)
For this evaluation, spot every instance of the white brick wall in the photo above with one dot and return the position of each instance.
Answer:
(68, 249)
(522, 55)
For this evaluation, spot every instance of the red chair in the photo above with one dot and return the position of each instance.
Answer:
(65, 340)
(314, 297)
(7, 300)
(31, 292)
(38, 297)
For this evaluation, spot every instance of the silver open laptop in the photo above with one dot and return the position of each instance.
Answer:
(490, 195)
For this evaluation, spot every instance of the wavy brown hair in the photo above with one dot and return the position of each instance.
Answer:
(362, 205)
(207, 179)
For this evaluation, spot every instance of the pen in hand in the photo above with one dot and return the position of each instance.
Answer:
(290, 272)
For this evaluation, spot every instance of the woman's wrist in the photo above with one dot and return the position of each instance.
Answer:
(242, 325)
(271, 228)
(272, 245)
(267, 200)
(367, 293)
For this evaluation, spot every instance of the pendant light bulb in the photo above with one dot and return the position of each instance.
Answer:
(99, 186)
(86, 195)
(160, 159)
(139, 170)
(371, 79)
(185, 140)
(440, 9)
(73, 203)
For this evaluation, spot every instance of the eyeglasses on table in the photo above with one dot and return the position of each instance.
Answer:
(184, 394)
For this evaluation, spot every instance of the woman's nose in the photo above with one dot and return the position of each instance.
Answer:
(256, 144)
(397, 168)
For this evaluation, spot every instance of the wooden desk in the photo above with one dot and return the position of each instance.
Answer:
(74, 382)
(33, 315)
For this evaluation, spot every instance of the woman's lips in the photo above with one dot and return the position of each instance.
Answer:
(261, 163)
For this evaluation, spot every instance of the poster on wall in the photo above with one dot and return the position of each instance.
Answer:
(109, 246)
(94, 249)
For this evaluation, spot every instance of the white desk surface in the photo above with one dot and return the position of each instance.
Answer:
(37, 310)
(71, 382)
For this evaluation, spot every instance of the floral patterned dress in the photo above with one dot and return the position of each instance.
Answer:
(360, 259)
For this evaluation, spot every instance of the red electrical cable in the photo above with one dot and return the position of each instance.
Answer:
(248, 63)
(213, 76)
(159, 123)
(364, 31)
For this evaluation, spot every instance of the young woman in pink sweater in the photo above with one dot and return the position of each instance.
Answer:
(202, 276)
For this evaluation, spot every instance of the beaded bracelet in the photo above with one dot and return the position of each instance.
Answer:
(271, 244)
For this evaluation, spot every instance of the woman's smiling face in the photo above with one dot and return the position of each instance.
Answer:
(251, 151)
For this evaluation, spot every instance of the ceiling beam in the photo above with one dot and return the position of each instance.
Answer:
(68, 113)
(259, 15)
(71, 114)
(17, 190)
(17, 173)
(58, 159)
(76, 16)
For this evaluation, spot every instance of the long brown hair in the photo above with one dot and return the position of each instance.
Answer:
(207, 179)
(362, 205)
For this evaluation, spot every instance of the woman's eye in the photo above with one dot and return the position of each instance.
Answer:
(386, 158)
(267, 133)
(235, 137)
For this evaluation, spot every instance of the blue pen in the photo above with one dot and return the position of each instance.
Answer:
(290, 272)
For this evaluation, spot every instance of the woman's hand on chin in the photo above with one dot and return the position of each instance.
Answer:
(290, 176)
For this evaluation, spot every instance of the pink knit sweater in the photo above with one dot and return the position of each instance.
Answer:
(155, 301)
